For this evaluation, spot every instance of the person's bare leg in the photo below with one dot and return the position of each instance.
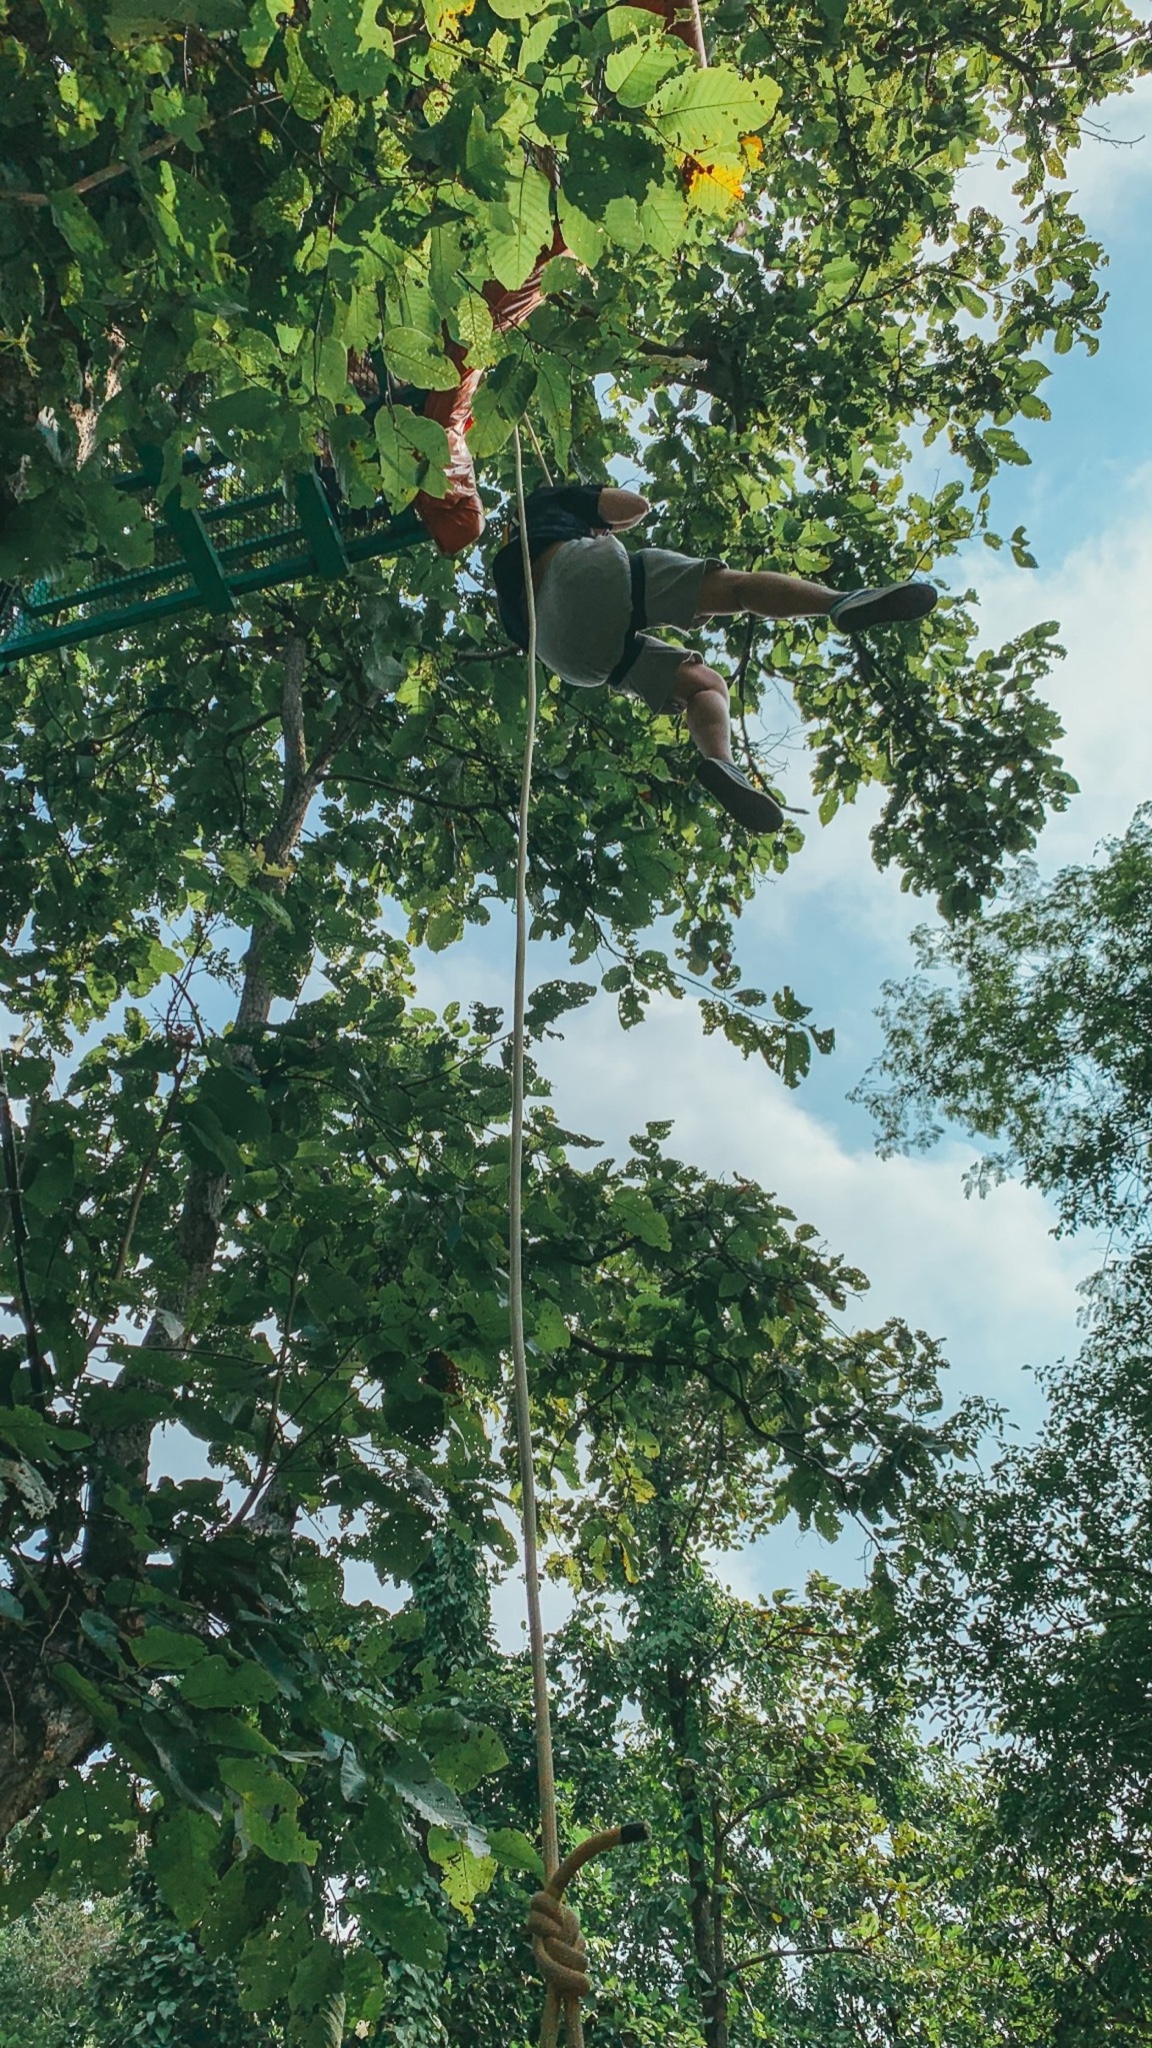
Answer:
(724, 591)
(763, 592)
(704, 696)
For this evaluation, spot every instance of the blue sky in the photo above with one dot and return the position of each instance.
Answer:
(985, 1277)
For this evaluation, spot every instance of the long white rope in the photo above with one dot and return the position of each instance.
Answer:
(522, 1408)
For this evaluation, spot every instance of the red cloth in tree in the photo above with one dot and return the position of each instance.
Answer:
(456, 521)
(687, 29)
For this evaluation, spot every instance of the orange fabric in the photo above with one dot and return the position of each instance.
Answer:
(510, 306)
(456, 521)
(687, 29)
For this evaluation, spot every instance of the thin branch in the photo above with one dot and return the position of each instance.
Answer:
(138, 1193)
(420, 796)
(831, 1948)
(94, 178)
(38, 1369)
(257, 1487)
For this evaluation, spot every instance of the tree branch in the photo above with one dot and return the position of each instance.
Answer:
(138, 1193)
(94, 178)
(38, 1369)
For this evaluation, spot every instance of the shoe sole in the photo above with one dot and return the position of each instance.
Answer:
(750, 807)
(902, 604)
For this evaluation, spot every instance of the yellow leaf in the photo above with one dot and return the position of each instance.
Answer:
(710, 182)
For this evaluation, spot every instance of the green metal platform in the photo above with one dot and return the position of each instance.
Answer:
(211, 555)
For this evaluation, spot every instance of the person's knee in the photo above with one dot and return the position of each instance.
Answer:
(695, 679)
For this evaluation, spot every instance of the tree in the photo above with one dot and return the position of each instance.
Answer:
(1029, 1027)
(251, 1190)
(153, 1984)
(857, 1886)
(1031, 1603)
(45, 1964)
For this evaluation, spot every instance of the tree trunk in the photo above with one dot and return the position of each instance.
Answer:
(705, 1896)
(42, 1732)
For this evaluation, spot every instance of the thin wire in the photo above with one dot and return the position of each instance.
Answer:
(545, 1774)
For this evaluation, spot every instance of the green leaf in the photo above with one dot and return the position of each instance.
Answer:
(78, 227)
(437, 1804)
(410, 1931)
(357, 46)
(465, 1877)
(554, 397)
(180, 1860)
(463, 1765)
(550, 1332)
(271, 1957)
(411, 356)
(512, 1848)
(218, 1682)
(89, 1696)
(364, 1987)
(701, 111)
(641, 1218)
(664, 218)
(582, 235)
(622, 224)
(413, 454)
(634, 71)
(515, 251)
(472, 323)
(269, 1803)
(330, 370)
(500, 404)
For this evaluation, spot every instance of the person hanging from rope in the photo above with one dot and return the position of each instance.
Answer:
(596, 599)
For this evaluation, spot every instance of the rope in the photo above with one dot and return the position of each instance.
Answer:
(522, 1406)
(557, 1942)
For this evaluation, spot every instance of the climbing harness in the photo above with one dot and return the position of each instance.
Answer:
(557, 1942)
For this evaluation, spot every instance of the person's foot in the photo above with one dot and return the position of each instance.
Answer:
(751, 807)
(895, 603)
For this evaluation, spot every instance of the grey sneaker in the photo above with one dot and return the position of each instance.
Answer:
(750, 807)
(896, 602)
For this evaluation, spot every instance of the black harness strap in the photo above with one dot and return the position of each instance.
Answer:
(636, 624)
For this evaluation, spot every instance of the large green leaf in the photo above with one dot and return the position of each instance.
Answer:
(704, 110)
(515, 248)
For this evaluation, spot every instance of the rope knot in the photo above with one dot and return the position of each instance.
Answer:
(559, 1947)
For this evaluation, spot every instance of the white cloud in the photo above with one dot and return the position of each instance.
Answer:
(1109, 172)
(986, 1277)
(1101, 593)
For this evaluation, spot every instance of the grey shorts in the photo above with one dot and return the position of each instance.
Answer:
(584, 609)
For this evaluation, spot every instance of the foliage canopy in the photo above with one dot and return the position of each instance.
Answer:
(253, 1191)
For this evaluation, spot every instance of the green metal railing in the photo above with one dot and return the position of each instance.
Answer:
(209, 555)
